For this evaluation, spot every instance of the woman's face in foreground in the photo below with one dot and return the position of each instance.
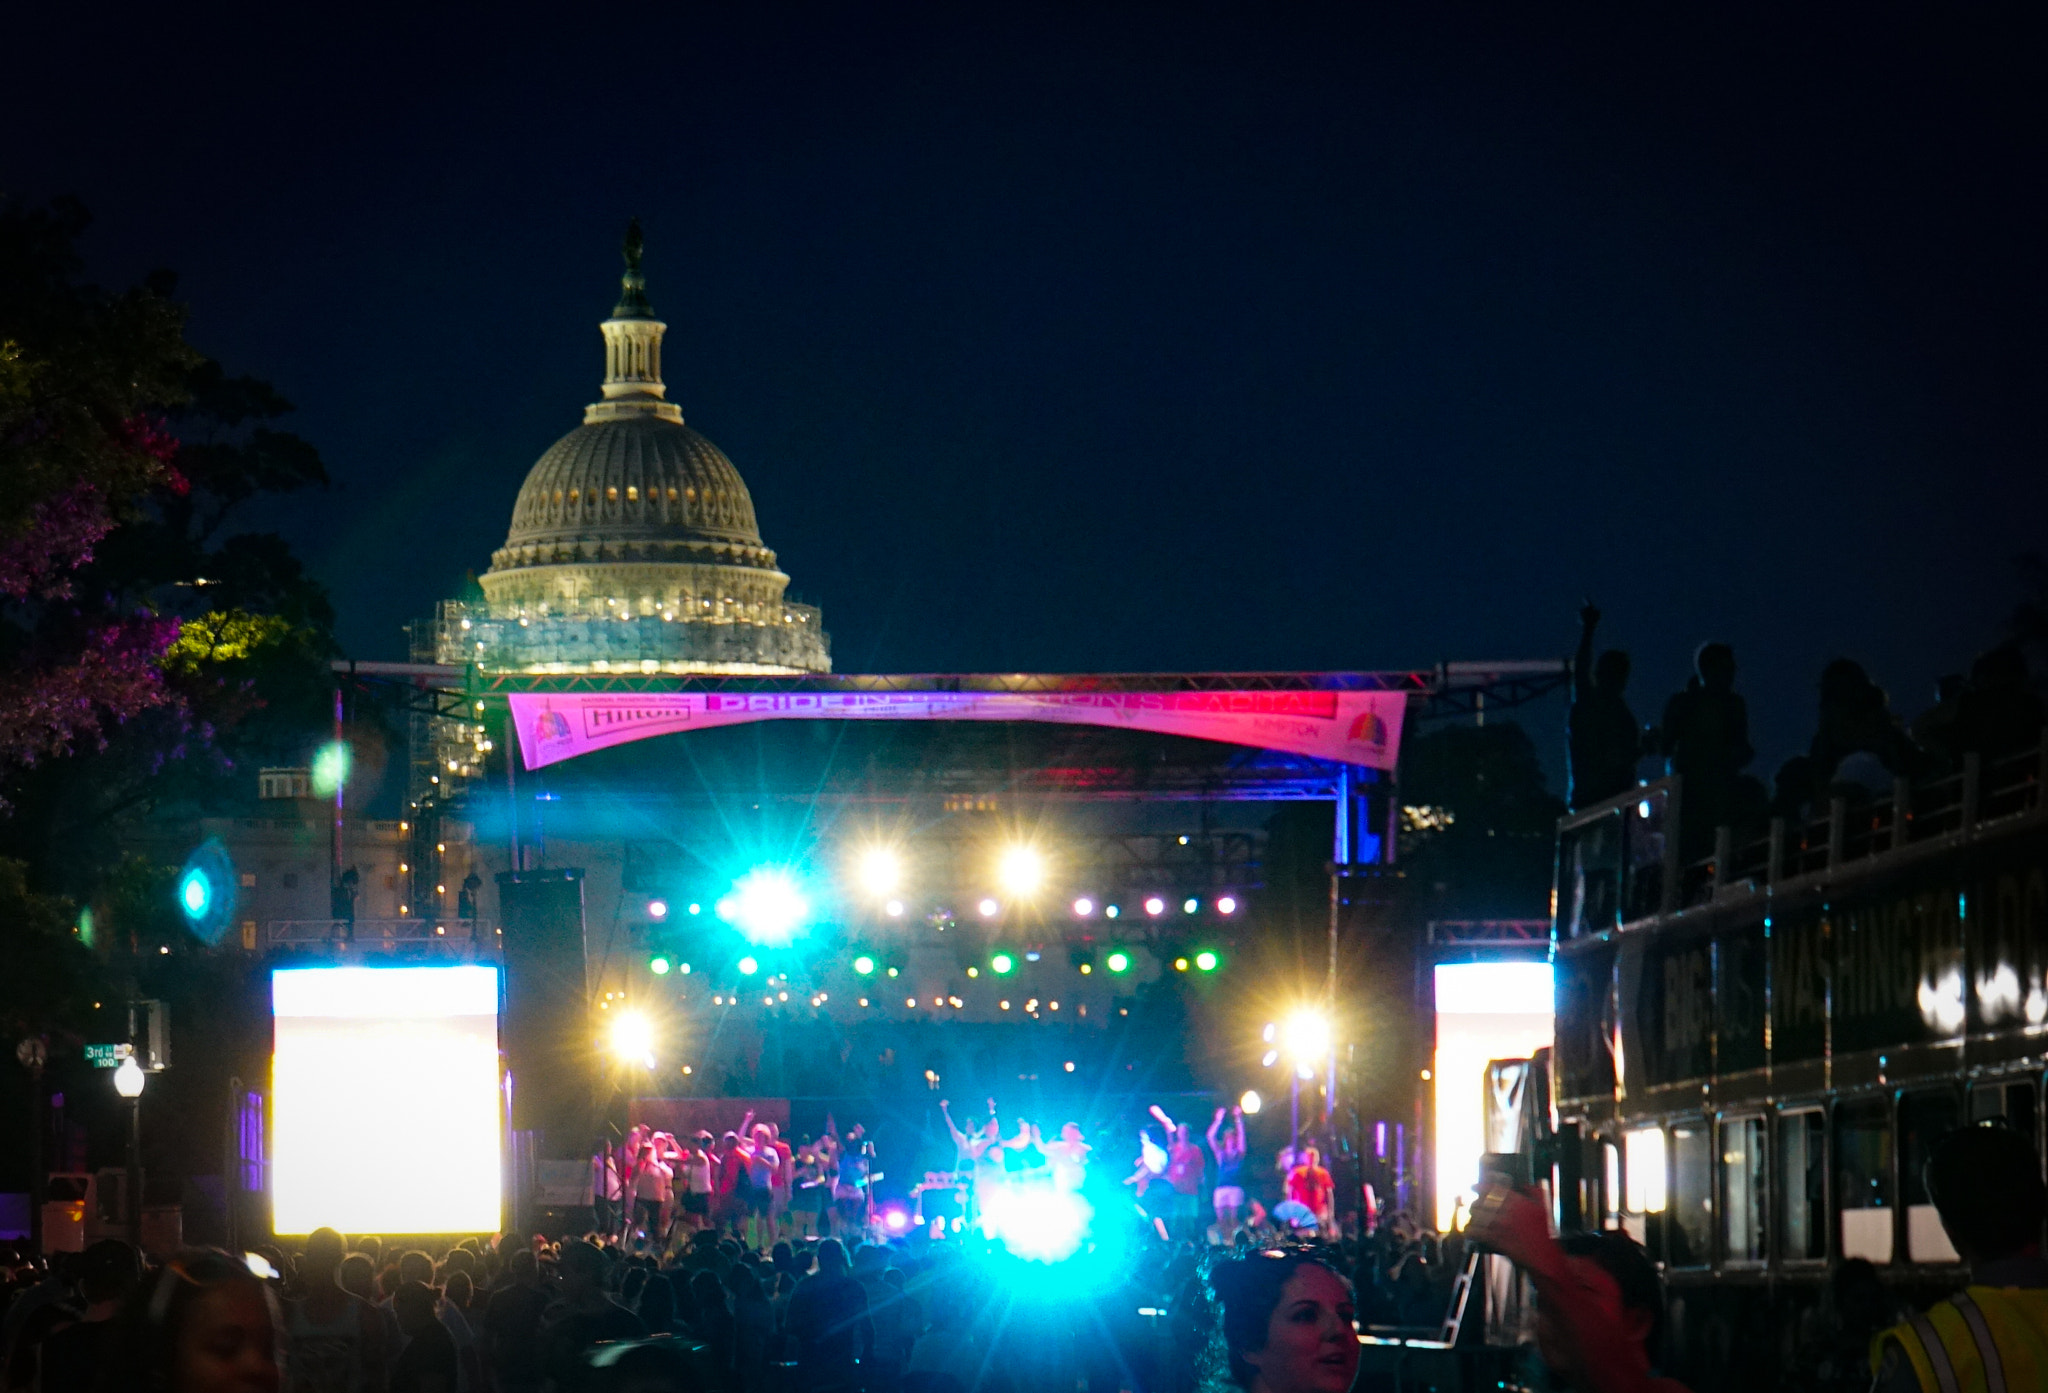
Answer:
(1311, 1343)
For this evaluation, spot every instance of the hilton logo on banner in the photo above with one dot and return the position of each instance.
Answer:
(1367, 729)
(593, 721)
(1352, 727)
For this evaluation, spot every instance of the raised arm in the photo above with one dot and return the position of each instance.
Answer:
(1215, 1125)
(1164, 1120)
(1609, 1358)
(959, 1137)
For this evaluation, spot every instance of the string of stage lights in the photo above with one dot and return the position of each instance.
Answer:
(771, 909)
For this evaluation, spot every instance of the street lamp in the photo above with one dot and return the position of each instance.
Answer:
(128, 1082)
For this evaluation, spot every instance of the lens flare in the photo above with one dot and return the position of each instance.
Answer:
(765, 905)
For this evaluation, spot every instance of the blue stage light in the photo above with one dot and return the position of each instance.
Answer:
(1035, 1224)
(766, 906)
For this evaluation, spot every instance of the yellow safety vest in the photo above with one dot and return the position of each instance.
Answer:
(1981, 1340)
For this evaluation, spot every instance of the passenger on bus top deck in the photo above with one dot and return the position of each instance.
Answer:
(1604, 741)
(1986, 1185)
(1599, 1305)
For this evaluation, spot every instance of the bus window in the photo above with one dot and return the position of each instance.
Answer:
(1863, 1179)
(1691, 1217)
(2011, 1099)
(1923, 1119)
(1643, 1182)
(1742, 1189)
(1802, 1171)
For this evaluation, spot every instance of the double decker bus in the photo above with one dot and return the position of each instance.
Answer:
(1755, 1051)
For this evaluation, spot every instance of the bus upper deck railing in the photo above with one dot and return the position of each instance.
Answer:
(1619, 862)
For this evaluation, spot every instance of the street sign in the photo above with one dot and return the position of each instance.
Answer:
(107, 1056)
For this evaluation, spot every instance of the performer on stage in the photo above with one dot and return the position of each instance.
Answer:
(698, 1180)
(651, 1180)
(1228, 1148)
(1068, 1158)
(607, 1188)
(1184, 1166)
(982, 1151)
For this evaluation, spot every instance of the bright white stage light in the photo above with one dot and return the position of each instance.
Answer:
(1226, 904)
(989, 909)
(367, 1062)
(1036, 1225)
(1306, 1034)
(632, 1037)
(1251, 1102)
(880, 870)
(1084, 907)
(1022, 871)
(1155, 906)
(894, 909)
(766, 906)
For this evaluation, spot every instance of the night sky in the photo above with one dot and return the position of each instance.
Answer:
(1100, 336)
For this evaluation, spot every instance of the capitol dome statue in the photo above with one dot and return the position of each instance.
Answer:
(633, 546)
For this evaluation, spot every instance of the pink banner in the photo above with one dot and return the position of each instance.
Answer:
(1353, 727)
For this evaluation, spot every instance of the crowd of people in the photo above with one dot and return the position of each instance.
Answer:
(1859, 747)
(652, 1185)
(928, 1313)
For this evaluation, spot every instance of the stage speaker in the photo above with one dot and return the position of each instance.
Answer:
(550, 1050)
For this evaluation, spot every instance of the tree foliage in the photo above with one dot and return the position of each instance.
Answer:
(1479, 821)
(150, 651)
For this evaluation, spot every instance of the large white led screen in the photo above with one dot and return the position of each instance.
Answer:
(384, 1100)
(1484, 1011)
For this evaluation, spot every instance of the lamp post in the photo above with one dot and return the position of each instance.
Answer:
(128, 1082)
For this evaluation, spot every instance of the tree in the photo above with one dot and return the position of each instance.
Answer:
(1478, 823)
(85, 377)
(149, 653)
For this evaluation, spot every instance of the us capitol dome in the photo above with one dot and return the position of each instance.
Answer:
(633, 546)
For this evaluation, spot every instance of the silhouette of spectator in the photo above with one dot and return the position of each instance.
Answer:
(1856, 719)
(2000, 715)
(1704, 739)
(1938, 729)
(1604, 740)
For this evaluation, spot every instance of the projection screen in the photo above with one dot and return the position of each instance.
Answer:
(384, 1100)
(1484, 1011)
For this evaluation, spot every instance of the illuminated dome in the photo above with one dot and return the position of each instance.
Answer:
(633, 545)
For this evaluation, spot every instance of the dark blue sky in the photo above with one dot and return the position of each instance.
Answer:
(1061, 336)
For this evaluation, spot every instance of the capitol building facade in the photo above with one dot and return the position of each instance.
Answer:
(633, 546)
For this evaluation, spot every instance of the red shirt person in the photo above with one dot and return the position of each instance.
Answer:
(1310, 1185)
